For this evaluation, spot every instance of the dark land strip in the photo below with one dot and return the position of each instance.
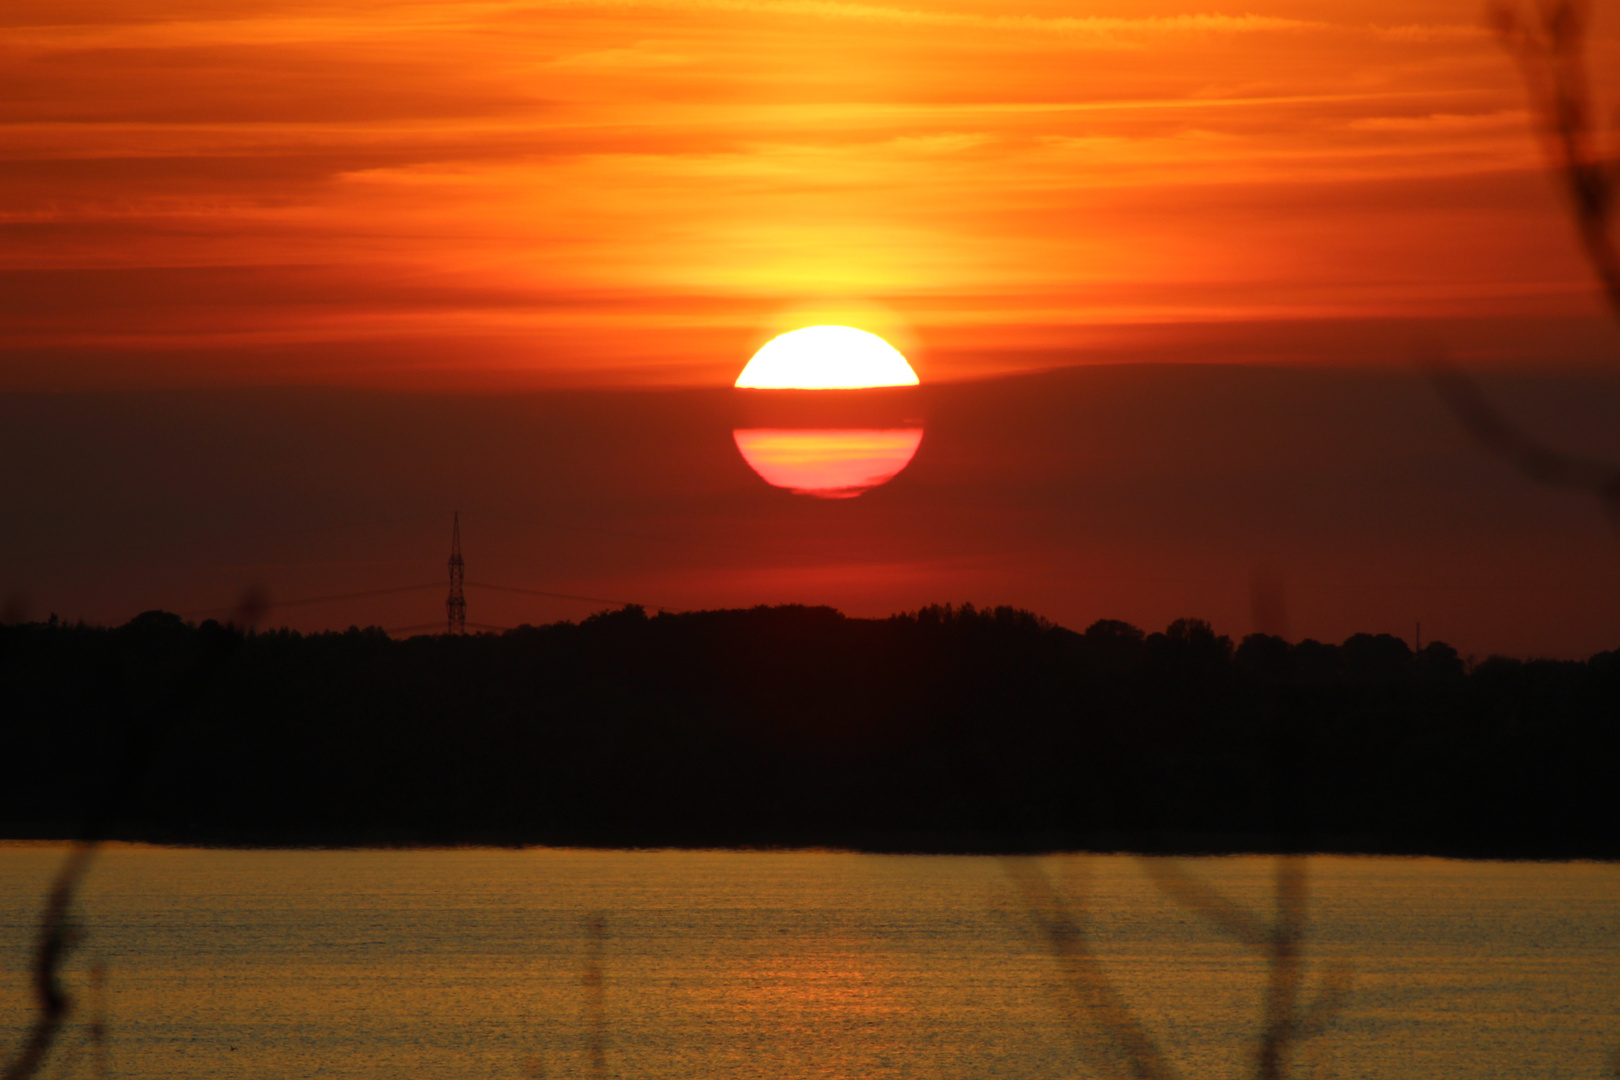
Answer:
(944, 730)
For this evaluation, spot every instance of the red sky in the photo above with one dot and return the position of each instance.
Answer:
(359, 202)
(1144, 492)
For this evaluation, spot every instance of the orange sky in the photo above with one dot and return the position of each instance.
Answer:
(622, 193)
(246, 233)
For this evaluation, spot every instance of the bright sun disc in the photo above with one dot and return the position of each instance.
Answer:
(826, 358)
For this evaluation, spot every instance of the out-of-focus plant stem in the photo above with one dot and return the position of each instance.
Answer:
(57, 933)
(1547, 39)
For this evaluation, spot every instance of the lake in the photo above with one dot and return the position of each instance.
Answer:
(565, 963)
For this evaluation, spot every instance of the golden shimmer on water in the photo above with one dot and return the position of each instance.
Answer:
(472, 963)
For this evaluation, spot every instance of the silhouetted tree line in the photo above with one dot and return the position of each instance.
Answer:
(944, 729)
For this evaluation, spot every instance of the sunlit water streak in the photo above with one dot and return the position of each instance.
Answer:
(475, 963)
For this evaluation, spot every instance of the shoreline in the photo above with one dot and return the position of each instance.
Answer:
(1197, 846)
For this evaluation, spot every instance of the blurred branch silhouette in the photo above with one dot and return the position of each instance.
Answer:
(1547, 39)
(58, 935)
(98, 1020)
(1123, 1047)
(1537, 460)
(1289, 1019)
(595, 1005)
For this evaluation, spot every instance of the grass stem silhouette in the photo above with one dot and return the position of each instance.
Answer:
(1547, 39)
(1121, 1046)
(1536, 459)
(595, 1004)
(98, 1020)
(57, 933)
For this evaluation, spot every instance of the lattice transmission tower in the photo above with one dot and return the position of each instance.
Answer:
(456, 606)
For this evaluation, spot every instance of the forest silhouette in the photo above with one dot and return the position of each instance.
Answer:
(945, 729)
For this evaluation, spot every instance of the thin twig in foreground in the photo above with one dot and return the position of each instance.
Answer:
(1124, 1046)
(1286, 1020)
(1547, 40)
(53, 1004)
(595, 1003)
(1535, 459)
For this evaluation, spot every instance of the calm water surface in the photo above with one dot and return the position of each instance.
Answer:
(484, 963)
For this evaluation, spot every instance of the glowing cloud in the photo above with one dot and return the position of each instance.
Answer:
(826, 358)
(837, 463)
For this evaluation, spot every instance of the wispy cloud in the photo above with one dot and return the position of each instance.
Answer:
(755, 153)
(1110, 29)
(1443, 123)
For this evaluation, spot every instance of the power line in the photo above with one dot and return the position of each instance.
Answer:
(434, 625)
(456, 606)
(455, 603)
(367, 594)
(552, 595)
(395, 590)
(654, 538)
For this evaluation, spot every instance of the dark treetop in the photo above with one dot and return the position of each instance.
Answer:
(946, 729)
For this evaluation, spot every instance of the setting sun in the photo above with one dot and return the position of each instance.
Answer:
(1212, 668)
(828, 464)
(826, 358)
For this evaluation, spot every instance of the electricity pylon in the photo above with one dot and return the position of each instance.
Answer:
(456, 605)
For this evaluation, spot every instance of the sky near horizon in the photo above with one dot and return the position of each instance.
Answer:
(1312, 502)
(621, 193)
